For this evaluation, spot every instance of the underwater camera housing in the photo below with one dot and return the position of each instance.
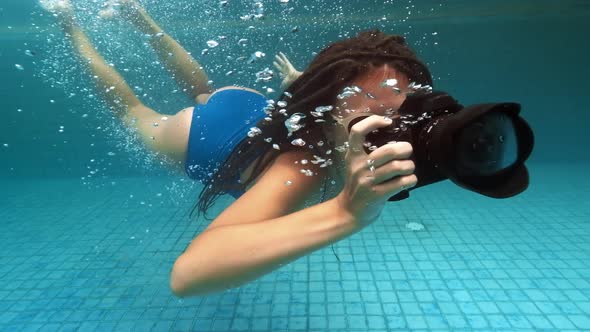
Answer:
(480, 147)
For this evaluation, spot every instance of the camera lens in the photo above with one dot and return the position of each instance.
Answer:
(486, 146)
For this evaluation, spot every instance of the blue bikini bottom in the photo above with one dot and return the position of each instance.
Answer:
(217, 127)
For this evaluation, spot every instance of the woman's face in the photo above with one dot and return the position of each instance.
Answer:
(378, 96)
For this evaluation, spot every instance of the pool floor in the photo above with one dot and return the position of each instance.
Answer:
(97, 258)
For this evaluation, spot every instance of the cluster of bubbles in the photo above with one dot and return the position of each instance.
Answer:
(264, 75)
(348, 92)
(60, 69)
(296, 121)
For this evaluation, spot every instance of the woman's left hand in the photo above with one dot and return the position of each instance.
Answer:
(286, 70)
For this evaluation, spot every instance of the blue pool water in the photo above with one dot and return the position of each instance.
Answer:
(91, 223)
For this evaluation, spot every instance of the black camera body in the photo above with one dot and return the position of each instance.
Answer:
(480, 147)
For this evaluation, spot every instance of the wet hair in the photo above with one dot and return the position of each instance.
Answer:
(332, 69)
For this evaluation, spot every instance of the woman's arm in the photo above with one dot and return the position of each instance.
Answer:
(264, 229)
(229, 256)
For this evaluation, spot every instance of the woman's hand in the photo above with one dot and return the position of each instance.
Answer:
(286, 70)
(372, 178)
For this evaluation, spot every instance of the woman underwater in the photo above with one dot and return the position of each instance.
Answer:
(277, 171)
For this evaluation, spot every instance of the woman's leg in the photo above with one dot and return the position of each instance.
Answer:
(113, 88)
(154, 128)
(187, 72)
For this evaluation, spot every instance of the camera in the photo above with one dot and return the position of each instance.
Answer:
(480, 147)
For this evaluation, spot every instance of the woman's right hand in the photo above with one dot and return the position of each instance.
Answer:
(367, 189)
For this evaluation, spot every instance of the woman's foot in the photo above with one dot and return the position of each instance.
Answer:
(59, 8)
(109, 10)
(115, 8)
(129, 10)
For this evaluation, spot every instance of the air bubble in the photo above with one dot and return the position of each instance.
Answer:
(349, 92)
(341, 148)
(255, 56)
(413, 87)
(298, 142)
(264, 75)
(292, 123)
(254, 131)
(322, 109)
(307, 172)
(389, 82)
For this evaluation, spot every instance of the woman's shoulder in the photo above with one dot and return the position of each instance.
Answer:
(295, 172)
(288, 159)
(281, 190)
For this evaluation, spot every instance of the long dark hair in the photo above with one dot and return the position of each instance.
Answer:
(332, 69)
